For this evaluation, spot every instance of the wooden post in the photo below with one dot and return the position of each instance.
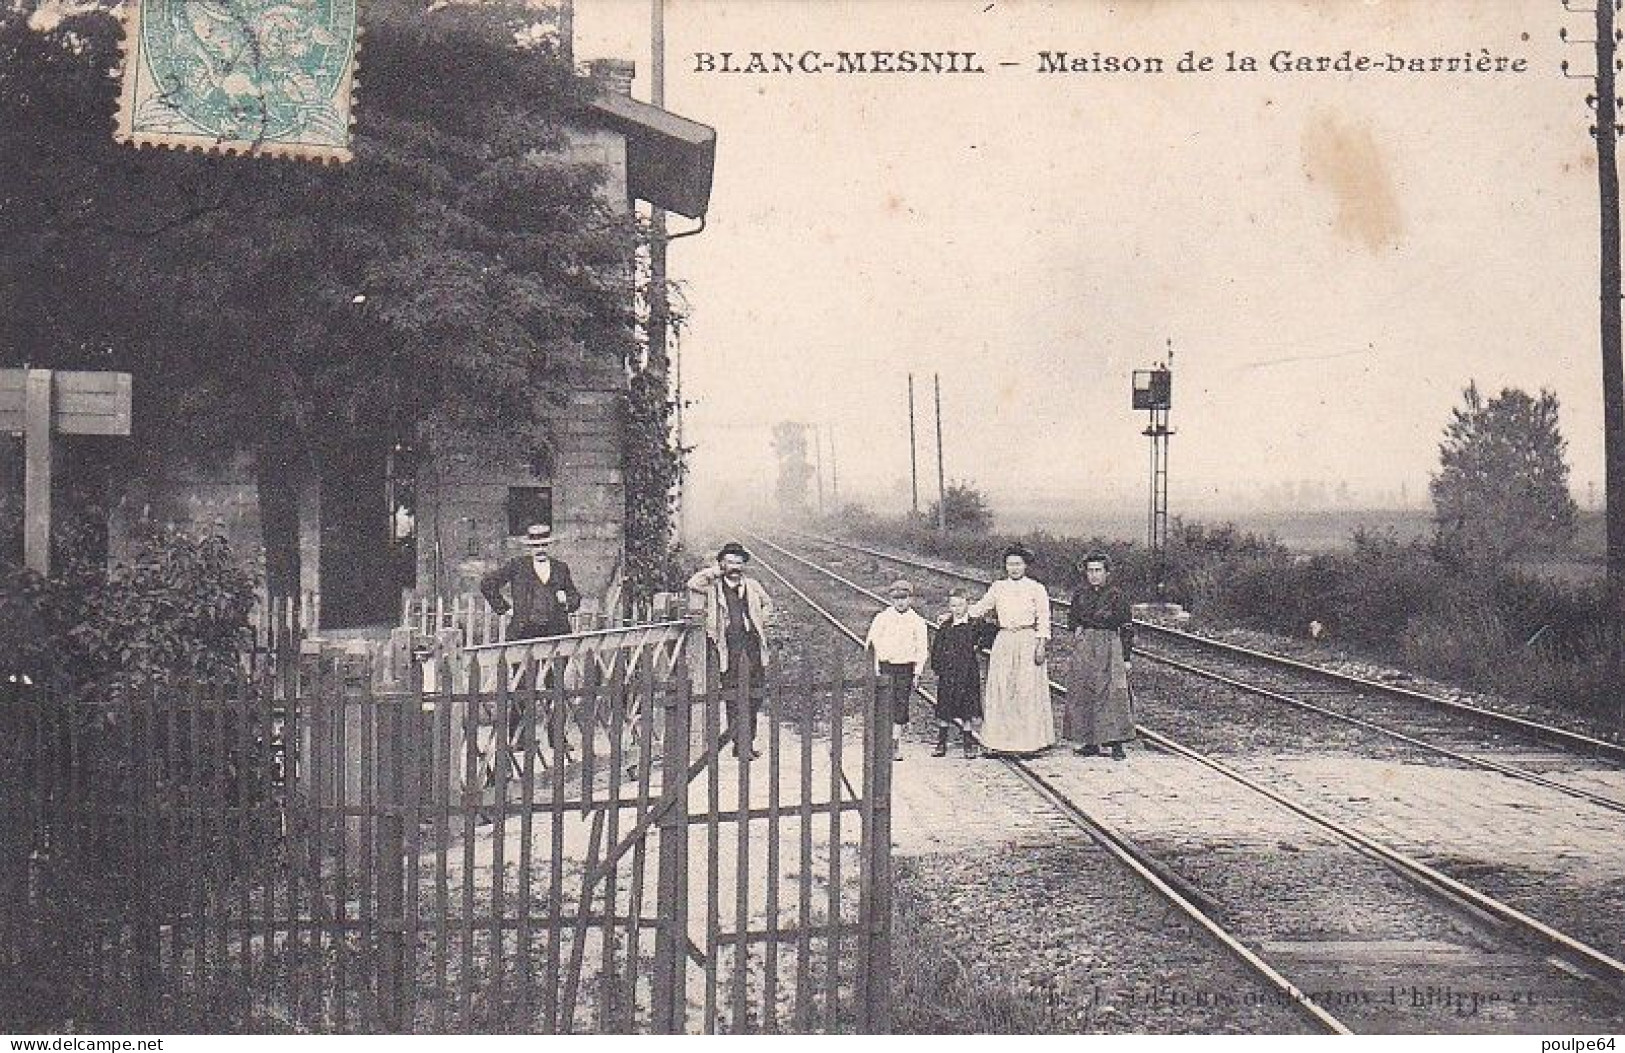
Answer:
(913, 458)
(877, 969)
(1613, 371)
(942, 483)
(818, 461)
(671, 898)
(144, 848)
(393, 972)
(834, 473)
(37, 473)
(40, 403)
(872, 735)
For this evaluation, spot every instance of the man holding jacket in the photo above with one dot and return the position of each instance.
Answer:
(734, 610)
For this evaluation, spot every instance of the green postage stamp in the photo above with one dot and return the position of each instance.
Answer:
(267, 77)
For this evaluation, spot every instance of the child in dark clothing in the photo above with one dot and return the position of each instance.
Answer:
(959, 674)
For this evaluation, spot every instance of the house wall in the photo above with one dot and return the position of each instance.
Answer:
(462, 491)
(218, 500)
(463, 521)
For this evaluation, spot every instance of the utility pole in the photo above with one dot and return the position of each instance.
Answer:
(659, 300)
(1606, 132)
(818, 463)
(834, 475)
(942, 483)
(913, 459)
(1613, 373)
(659, 303)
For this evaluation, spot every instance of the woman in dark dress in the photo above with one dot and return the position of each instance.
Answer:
(1099, 708)
(954, 650)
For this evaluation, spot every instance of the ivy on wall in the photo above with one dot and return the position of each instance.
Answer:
(654, 467)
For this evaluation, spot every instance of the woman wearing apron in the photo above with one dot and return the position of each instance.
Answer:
(1016, 715)
(1099, 708)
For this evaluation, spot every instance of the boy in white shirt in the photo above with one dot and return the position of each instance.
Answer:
(901, 643)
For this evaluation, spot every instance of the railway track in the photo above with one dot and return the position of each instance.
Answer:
(1517, 943)
(1443, 727)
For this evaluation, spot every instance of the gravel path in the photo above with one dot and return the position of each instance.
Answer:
(1532, 848)
(1046, 931)
(1081, 945)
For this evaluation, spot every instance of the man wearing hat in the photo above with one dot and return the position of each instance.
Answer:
(735, 610)
(901, 645)
(544, 596)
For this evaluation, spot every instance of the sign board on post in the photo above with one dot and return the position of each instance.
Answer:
(82, 402)
(42, 402)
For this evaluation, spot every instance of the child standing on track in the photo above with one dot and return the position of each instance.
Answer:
(959, 674)
(900, 639)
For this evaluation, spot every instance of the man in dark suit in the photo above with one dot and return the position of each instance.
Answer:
(544, 595)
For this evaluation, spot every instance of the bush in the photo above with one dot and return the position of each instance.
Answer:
(84, 634)
(1270, 593)
(1498, 631)
(1383, 585)
(178, 611)
(964, 509)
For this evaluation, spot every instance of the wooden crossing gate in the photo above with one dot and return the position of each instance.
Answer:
(553, 836)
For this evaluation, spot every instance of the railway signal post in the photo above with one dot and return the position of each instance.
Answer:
(1153, 392)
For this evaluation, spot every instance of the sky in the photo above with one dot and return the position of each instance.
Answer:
(1332, 256)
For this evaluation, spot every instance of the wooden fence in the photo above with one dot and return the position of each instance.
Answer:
(478, 623)
(277, 626)
(485, 857)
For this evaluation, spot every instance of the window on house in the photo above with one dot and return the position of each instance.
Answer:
(527, 505)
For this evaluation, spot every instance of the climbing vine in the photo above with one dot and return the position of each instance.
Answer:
(655, 459)
(654, 468)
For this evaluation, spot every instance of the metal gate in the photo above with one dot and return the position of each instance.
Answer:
(554, 836)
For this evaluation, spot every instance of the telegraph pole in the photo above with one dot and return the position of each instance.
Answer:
(834, 474)
(1613, 379)
(942, 484)
(913, 458)
(1606, 132)
(659, 304)
(659, 300)
(818, 463)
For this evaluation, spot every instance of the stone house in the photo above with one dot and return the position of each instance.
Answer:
(434, 524)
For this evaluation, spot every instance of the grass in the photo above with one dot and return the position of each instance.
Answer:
(935, 993)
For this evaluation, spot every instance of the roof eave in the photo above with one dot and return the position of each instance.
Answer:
(669, 159)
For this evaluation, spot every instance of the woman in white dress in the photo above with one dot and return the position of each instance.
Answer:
(1017, 716)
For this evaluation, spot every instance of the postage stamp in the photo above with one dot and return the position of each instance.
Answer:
(266, 77)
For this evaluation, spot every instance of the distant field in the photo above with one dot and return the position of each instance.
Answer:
(1309, 531)
(1315, 530)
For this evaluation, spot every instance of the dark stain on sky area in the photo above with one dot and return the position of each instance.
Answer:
(1348, 160)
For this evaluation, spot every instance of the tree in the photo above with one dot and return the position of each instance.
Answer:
(967, 510)
(795, 473)
(440, 285)
(1503, 486)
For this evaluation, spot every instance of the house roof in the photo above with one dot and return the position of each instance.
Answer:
(669, 159)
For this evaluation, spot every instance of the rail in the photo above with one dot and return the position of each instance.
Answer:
(1594, 961)
(1565, 737)
(1144, 866)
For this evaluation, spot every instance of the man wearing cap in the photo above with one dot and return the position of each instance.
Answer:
(544, 596)
(901, 644)
(734, 609)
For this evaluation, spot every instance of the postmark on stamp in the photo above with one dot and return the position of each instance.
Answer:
(267, 77)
